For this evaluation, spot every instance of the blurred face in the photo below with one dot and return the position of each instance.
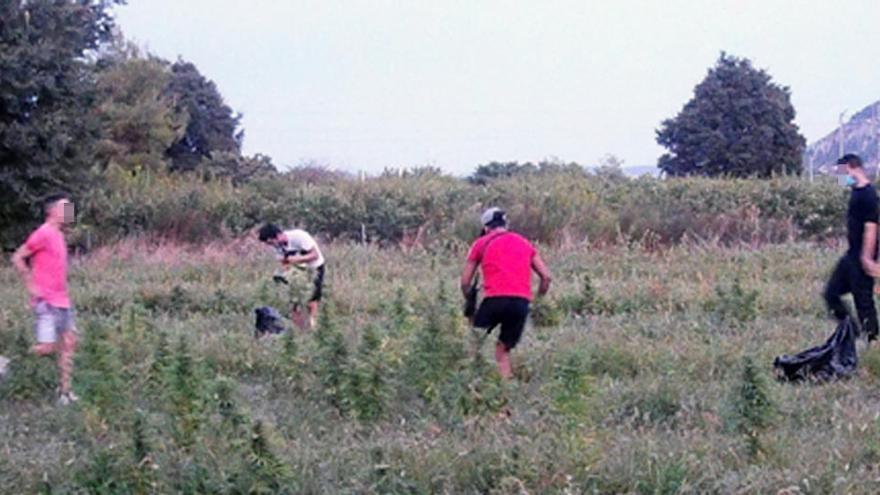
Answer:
(62, 212)
(278, 241)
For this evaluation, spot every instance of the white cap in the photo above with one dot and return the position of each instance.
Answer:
(490, 214)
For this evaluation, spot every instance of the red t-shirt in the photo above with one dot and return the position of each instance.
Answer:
(506, 262)
(48, 263)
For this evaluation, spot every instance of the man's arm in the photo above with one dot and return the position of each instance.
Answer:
(19, 261)
(467, 276)
(541, 269)
(869, 246)
(299, 259)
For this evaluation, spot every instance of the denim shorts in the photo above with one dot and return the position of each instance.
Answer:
(51, 322)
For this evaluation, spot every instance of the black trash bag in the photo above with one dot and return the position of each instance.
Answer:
(470, 301)
(268, 321)
(836, 358)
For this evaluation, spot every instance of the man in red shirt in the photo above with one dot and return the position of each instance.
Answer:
(507, 260)
(42, 263)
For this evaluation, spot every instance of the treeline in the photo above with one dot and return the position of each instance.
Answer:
(77, 100)
(427, 208)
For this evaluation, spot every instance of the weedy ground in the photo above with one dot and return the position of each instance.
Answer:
(644, 372)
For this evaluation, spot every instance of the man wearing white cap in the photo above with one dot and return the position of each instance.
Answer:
(507, 260)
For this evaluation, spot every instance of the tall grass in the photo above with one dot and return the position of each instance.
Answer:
(393, 394)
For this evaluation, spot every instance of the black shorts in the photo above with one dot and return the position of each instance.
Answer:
(509, 312)
(319, 285)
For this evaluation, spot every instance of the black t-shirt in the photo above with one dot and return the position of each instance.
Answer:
(862, 208)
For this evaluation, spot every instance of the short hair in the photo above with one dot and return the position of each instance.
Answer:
(51, 199)
(268, 232)
(851, 159)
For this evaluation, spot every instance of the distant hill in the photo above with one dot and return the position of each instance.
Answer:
(861, 136)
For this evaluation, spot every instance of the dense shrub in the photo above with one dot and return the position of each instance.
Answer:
(559, 208)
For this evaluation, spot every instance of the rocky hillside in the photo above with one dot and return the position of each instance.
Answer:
(861, 135)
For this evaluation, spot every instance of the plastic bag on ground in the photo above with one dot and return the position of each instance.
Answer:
(836, 358)
(269, 320)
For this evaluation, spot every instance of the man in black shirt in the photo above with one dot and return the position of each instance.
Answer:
(855, 272)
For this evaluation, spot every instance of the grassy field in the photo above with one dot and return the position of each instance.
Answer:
(650, 372)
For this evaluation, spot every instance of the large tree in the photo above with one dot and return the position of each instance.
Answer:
(739, 123)
(47, 128)
(139, 120)
(213, 126)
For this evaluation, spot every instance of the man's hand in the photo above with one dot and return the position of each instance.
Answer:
(872, 268)
(541, 269)
(300, 259)
(20, 263)
(869, 247)
(467, 276)
(31, 288)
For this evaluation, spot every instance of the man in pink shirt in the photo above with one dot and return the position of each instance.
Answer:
(507, 260)
(42, 263)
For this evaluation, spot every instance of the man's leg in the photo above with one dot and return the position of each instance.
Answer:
(513, 322)
(863, 296)
(44, 331)
(313, 313)
(502, 358)
(299, 316)
(65, 358)
(43, 349)
(317, 294)
(486, 318)
(837, 286)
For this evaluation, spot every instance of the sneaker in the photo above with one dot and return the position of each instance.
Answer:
(67, 398)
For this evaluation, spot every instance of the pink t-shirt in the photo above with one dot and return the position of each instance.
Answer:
(48, 264)
(506, 262)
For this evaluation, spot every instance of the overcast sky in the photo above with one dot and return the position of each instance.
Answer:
(365, 85)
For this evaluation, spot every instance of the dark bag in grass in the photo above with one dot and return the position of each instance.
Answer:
(268, 321)
(836, 358)
(470, 302)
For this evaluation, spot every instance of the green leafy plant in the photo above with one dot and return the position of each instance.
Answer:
(753, 407)
(546, 312)
(331, 358)
(734, 304)
(368, 388)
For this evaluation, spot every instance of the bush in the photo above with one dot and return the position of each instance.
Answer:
(753, 408)
(572, 385)
(476, 388)
(612, 361)
(657, 405)
(559, 206)
(331, 359)
(367, 383)
(871, 362)
(546, 313)
(734, 304)
(587, 301)
(263, 472)
(187, 399)
(98, 374)
(28, 376)
(662, 477)
(435, 352)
